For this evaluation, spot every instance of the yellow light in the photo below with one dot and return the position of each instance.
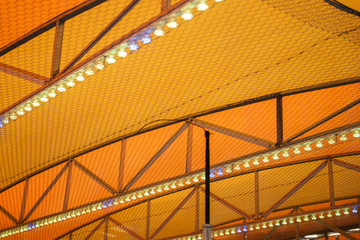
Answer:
(6, 120)
(13, 116)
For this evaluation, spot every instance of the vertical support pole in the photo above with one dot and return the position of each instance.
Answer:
(148, 220)
(331, 182)
(189, 148)
(296, 209)
(165, 4)
(279, 121)
(337, 237)
(23, 204)
(207, 226)
(257, 194)
(106, 227)
(122, 164)
(70, 236)
(326, 236)
(358, 214)
(59, 32)
(197, 201)
(68, 185)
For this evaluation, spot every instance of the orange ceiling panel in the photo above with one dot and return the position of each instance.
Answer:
(11, 200)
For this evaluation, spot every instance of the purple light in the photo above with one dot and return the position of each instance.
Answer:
(133, 46)
(239, 230)
(354, 210)
(146, 39)
(212, 174)
(220, 171)
(110, 204)
(104, 205)
(245, 229)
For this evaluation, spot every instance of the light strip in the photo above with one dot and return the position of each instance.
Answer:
(222, 171)
(108, 58)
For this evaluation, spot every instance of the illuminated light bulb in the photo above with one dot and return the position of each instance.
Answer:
(199, 237)
(275, 156)
(116, 202)
(264, 225)
(133, 46)
(298, 219)
(121, 200)
(343, 137)
(146, 39)
(173, 185)
(346, 211)
(172, 24)
(159, 32)
(13, 116)
(122, 53)
(216, 234)
(61, 88)
(152, 191)
(321, 216)
(159, 189)
(251, 228)
(256, 161)
(46, 222)
(227, 232)
(228, 169)
(219, 0)
(110, 59)
(133, 197)
(307, 147)
(237, 167)
(6, 120)
(285, 153)
(89, 71)
(284, 222)
(139, 195)
(306, 218)
(265, 159)
(313, 217)
(277, 223)
(246, 164)
(212, 174)
(188, 182)
(202, 6)
(354, 210)
(337, 213)
(181, 184)
(196, 179)
(52, 94)
(80, 77)
(70, 83)
(221, 233)
(166, 188)
(88, 210)
(219, 171)
(59, 219)
(187, 15)
(257, 227)
(73, 214)
(331, 140)
(271, 224)
(100, 65)
(356, 133)
(127, 199)
(329, 214)
(44, 98)
(146, 193)
(297, 150)
(319, 144)
(99, 207)
(233, 231)
(203, 176)
(239, 230)
(20, 112)
(291, 220)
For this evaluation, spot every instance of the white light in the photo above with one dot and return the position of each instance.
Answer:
(159, 32)
(343, 137)
(172, 24)
(152, 191)
(181, 184)
(146, 39)
(70, 83)
(264, 225)
(237, 167)
(80, 77)
(166, 188)
(61, 88)
(319, 144)
(227, 232)
(228, 169)
(187, 15)
(313, 217)
(110, 59)
(337, 213)
(219, 0)
(321, 216)
(285, 153)
(122, 53)
(284, 222)
(202, 6)
(159, 189)
(146, 193)
(313, 236)
(331, 140)
(196, 179)
(291, 220)
(89, 71)
(297, 150)
(333, 234)
(306, 218)
(307, 147)
(356, 133)
(257, 226)
(52, 94)
(139, 195)
(255, 161)
(44, 98)
(275, 156)
(277, 223)
(173, 185)
(13, 116)
(6, 120)
(298, 219)
(20, 111)
(188, 182)
(251, 228)
(265, 159)
(271, 224)
(346, 211)
(329, 214)
(28, 107)
(100, 65)
(246, 164)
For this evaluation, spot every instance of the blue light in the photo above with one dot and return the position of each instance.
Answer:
(212, 174)
(33, 226)
(110, 203)
(29, 227)
(239, 230)
(133, 46)
(104, 205)
(220, 171)
(146, 39)
(1, 124)
(354, 210)
(245, 229)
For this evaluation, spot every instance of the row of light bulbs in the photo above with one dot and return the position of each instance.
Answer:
(193, 179)
(110, 57)
(275, 223)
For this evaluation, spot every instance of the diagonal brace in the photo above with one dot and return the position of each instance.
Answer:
(346, 165)
(125, 228)
(29, 76)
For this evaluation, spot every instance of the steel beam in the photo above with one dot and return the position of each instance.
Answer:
(46, 192)
(94, 230)
(233, 133)
(324, 120)
(336, 229)
(9, 215)
(331, 182)
(56, 59)
(294, 190)
(23, 204)
(107, 29)
(163, 224)
(122, 165)
(346, 165)
(20, 73)
(68, 185)
(156, 156)
(94, 177)
(50, 24)
(228, 205)
(125, 229)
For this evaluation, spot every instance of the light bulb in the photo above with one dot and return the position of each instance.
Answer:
(70, 83)
(298, 219)
(196, 179)
(239, 230)
(221, 233)
(337, 213)
(297, 150)
(52, 94)
(100, 65)
(277, 223)
(188, 181)
(172, 24)
(133, 46)
(285, 153)
(99, 207)
(166, 188)
(110, 59)
(173, 185)
(159, 189)
(212, 174)
(251, 228)
(20, 111)
(44, 98)
(228, 169)
(354, 210)
(80, 77)
(257, 226)
(121, 200)
(227, 232)
(13, 116)
(203, 176)
(219, 171)
(159, 32)
(181, 184)
(215, 234)
(319, 144)
(219, 0)
(89, 71)
(265, 159)
(275, 156)
(128, 199)
(356, 133)
(152, 191)
(321, 216)
(202, 6)
(187, 15)
(307, 147)
(271, 224)
(237, 167)
(306, 218)
(139, 195)
(146, 193)
(133, 197)
(313, 217)
(329, 214)
(346, 211)
(116, 202)
(343, 137)
(264, 225)
(122, 53)
(146, 39)
(284, 222)
(61, 88)
(6, 120)
(291, 220)
(331, 140)
(255, 161)
(246, 164)
(233, 231)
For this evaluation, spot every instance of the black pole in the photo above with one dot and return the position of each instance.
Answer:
(207, 178)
